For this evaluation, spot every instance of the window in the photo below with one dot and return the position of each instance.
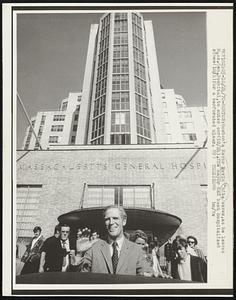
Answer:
(53, 139)
(143, 125)
(27, 201)
(120, 139)
(43, 120)
(141, 105)
(99, 106)
(76, 117)
(72, 139)
(59, 118)
(120, 122)
(164, 104)
(120, 101)
(189, 137)
(166, 117)
(120, 66)
(125, 195)
(64, 106)
(57, 128)
(142, 140)
(77, 107)
(74, 127)
(120, 51)
(120, 82)
(98, 126)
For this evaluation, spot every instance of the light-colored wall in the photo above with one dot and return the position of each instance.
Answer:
(63, 174)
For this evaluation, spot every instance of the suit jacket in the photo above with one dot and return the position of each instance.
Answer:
(33, 254)
(198, 269)
(55, 253)
(131, 260)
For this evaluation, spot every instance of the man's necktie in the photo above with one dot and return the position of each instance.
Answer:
(115, 257)
(64, 256)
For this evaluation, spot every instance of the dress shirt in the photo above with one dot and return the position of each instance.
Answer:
(66, 245)
(119, 245)
(184, 269)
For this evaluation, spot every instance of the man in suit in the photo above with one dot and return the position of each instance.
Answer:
(60, 252)
(116, 255)
(31, 257)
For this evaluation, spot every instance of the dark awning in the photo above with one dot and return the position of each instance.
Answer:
(162, 224)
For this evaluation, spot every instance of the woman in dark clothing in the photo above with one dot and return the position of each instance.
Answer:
(186, 266)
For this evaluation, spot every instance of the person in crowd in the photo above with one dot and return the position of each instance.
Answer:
(64, 252)
(140, 238)
(193, 244)
(168, 253)
(188, 267)
(155, 257)
(94, 236)
(116, 254)
(31, 257)
(48, 260)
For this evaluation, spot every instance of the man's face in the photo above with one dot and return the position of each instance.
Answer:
(37, 234)
(182, 253)
(114, 223)
(65, 231)
(191, 243)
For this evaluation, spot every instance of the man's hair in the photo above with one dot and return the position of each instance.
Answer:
(37, 228)
(193, 238)
(120, 208)
(179, 243)
(140, 234)
(57, 228)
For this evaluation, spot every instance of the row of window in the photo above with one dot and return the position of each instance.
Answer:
(142, 140)
(120, 66)
(185, 114)
(120, 82)
(120, 122)
(101, 88)
(120, 16)
(136, 19)
(99, 106)
(138, 55)
(137, 30)
(98, 126)
(140, 86)
(102, 71)
(120, 101)
(138, 42)
(120, 38)
(105, 31)
(57, 127)
(120, 51)
(120, 139)
(98, 141)
(143, 125)
(139, 70)
(121, 26)
(104, 44)
(103, 57)
(141, 105)
(59, 118)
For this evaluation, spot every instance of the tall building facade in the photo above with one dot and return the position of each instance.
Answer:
(121, 89)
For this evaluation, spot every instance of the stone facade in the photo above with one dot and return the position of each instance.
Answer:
(63, 174)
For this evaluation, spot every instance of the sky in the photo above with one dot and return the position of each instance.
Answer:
(52, 49)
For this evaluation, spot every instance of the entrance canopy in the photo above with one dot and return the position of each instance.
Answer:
(161, 224)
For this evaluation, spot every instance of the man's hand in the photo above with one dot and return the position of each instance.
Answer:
(41, 270)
